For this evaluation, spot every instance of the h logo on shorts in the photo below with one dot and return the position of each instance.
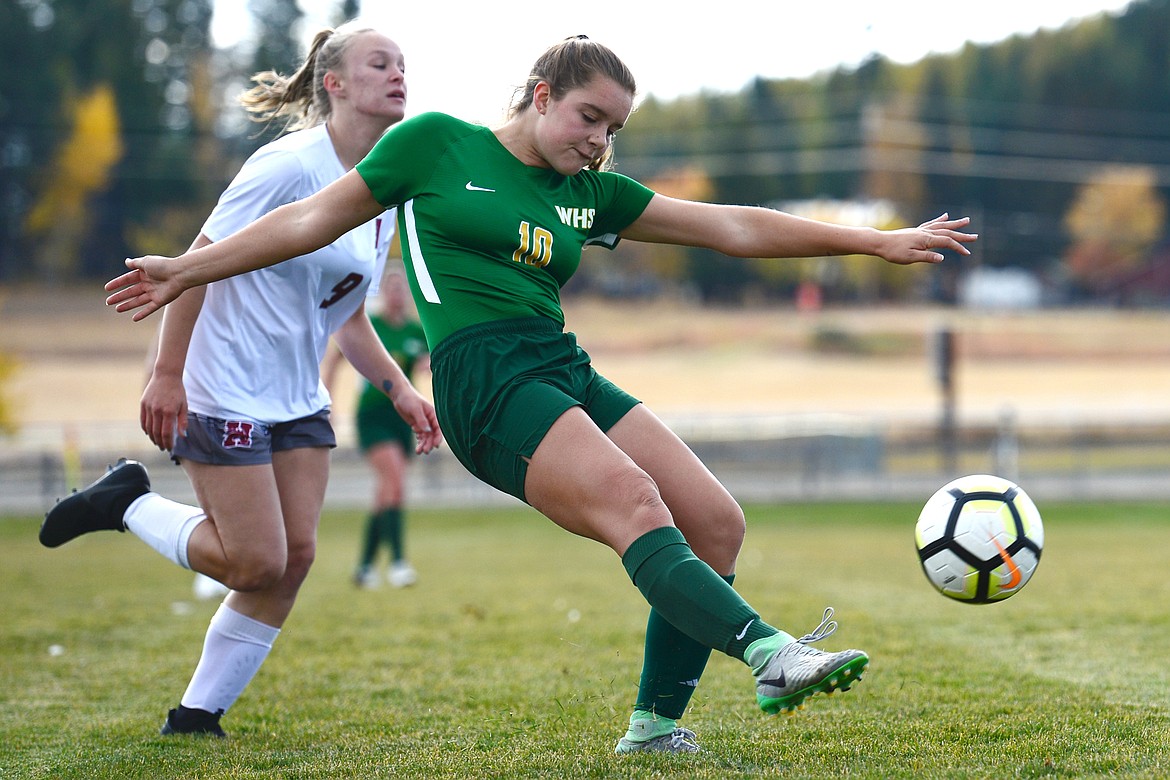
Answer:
(237, 433)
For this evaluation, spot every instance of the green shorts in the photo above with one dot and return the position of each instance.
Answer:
(500, 386)
(379, 423)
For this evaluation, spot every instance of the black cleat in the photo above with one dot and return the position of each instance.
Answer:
(98, 507)
(184, 720)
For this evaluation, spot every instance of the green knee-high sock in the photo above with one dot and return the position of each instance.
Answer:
(690, 595)
(370, 541)
(390, 523)
(671, 667)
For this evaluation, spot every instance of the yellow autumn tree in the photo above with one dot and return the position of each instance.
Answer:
(1114, 220)
(666, 261)
(82, 168)
(7, 414)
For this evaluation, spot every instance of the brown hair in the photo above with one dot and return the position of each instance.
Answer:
(571, 64)
(301, 98)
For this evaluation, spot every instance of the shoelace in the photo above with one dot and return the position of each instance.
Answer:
(682, 738)
(823, 630)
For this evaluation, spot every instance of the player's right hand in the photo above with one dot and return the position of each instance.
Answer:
(149, 285)
(162, 411)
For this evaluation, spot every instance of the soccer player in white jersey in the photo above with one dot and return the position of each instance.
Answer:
(236, 394)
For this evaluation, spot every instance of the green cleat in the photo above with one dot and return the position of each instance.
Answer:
(679, 740)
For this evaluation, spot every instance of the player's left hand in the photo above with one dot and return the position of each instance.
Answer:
(420, 413)
(924, 243)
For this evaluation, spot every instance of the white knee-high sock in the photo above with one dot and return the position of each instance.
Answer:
(164, 524)
(233, 650)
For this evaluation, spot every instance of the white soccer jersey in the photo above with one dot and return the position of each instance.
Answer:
(258, 343)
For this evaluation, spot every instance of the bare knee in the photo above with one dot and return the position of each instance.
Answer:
(300, 560)
(641, 499)
(256, 571)
(717, 537)
(733, 528)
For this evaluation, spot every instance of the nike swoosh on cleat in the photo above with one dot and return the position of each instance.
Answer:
(743, 633)
(779, 682)
(473, 188)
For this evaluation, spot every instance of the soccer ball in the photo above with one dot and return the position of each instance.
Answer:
(979, 539)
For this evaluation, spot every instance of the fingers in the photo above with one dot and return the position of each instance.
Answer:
(162, 426)
(121, 295)
(954, 241)
(428, 441)
(430, 437)
(943, 233)
(144, 312)
(134, 297)
(944, 222)
(125, 280)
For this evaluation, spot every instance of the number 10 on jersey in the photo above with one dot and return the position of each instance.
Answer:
(535, 246)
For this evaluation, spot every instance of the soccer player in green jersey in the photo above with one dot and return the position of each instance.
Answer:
(492, 223)
(383, 436)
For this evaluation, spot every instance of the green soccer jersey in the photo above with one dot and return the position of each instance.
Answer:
(406, 343)
(484, 236)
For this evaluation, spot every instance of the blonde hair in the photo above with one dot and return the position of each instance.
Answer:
(568, 65)
(301, 99)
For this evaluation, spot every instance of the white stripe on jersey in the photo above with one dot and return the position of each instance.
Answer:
(425, 283)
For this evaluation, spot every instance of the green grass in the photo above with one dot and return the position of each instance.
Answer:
(518, 653)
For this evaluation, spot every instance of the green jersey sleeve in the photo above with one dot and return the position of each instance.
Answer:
(403, 160)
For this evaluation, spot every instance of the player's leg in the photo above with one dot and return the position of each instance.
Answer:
(243, 544)
(189, 536)
(787, 670)
(708, 516)
(242, 632)
(301, 475)
(372, 433)
(713, 525)
(242, 541)
(583, 482)
(389, 462)
(594, 489)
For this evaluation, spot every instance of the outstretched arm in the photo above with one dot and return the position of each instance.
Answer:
(751, 231)
(290, 231)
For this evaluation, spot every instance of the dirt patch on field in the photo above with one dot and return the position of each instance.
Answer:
(79, 362)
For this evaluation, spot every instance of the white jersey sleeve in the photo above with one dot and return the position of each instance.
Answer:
(270, 178)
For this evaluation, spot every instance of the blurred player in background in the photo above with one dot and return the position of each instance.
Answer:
(494, 223)
(385, 439)
(236, 393)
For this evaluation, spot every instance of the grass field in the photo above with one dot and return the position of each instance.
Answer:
(518, 654)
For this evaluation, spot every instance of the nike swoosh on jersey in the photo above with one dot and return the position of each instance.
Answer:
(473, 188)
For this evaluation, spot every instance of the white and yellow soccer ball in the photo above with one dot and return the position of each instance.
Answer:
(979, 539)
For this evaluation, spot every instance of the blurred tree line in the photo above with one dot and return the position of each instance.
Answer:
(1056, 144)
(114, 137)
(117, 133)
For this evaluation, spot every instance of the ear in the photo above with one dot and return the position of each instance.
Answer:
(332, 83)
(541, 96)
